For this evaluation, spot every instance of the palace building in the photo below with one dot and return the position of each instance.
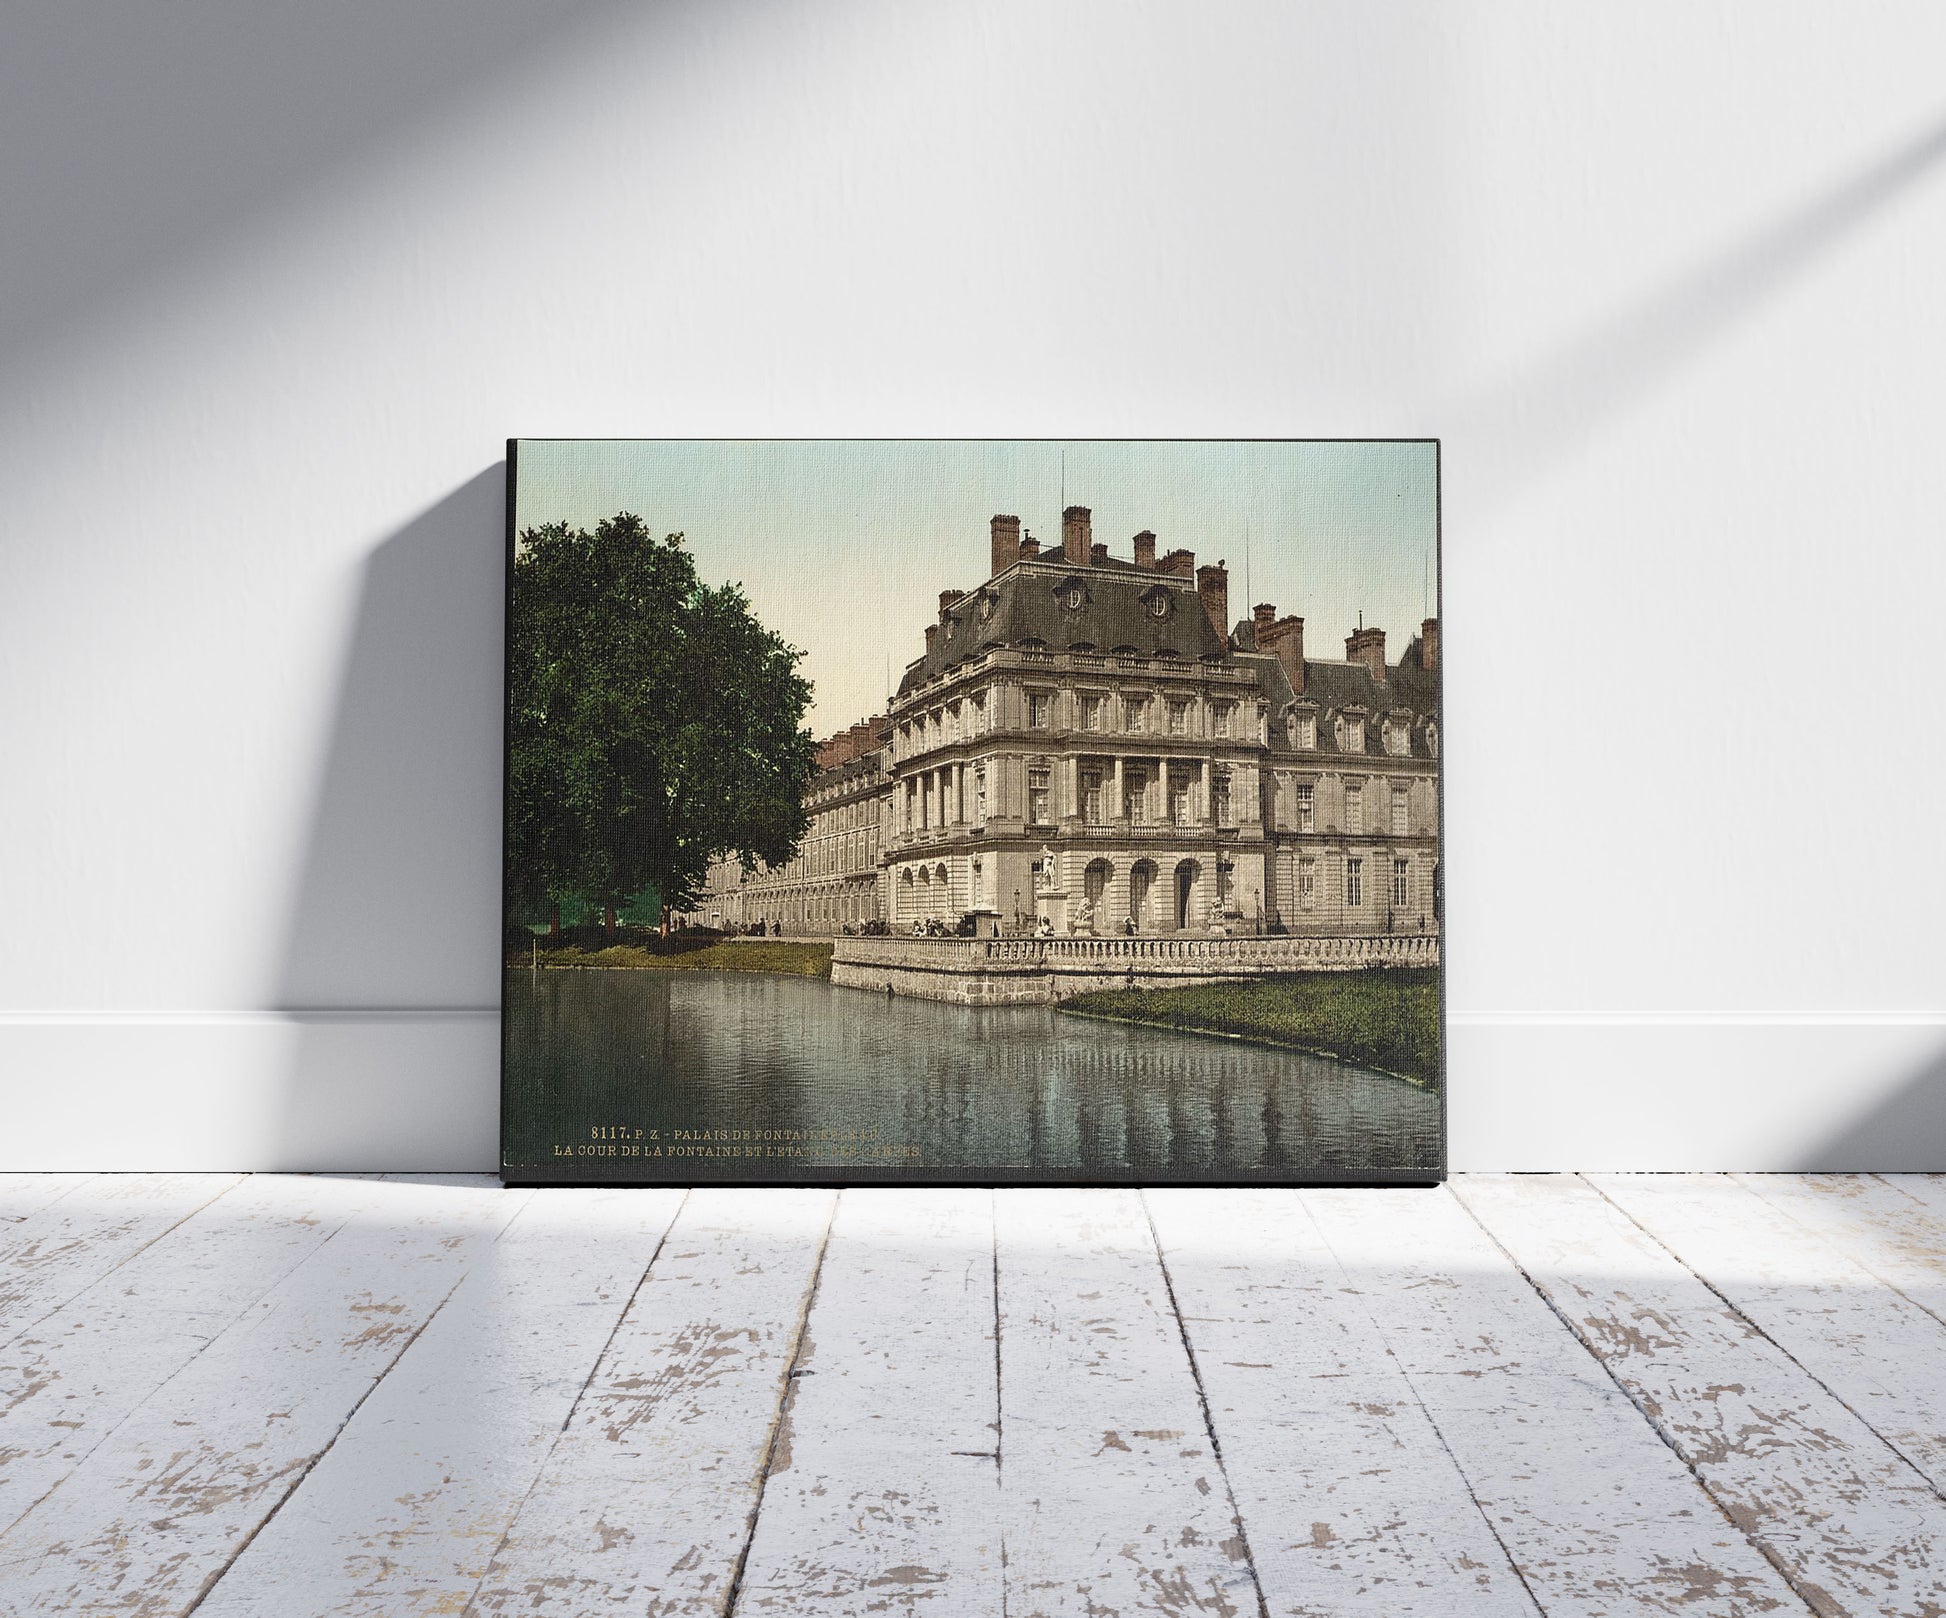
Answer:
(1088, 744)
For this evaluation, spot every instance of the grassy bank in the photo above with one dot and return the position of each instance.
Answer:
(789, 956)
(1386, 1019)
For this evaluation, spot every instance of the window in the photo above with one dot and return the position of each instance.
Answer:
(1135, 783)
(1091, 797)
(1134, 709)
(1304, 731)
(1220, 797)
(1354, 807)
(1159, 604)
(1401, 870)
(979, 794)
(1225, 717)
(1037, 804)
(1398, 738)
(979, 716)
(1354, 735)
(1307, 884)
(1178, 717)
(1039, 703)
(1401, 812)
(1354, 883)
(1179, 803)
(1091, 712)
(1307, 819)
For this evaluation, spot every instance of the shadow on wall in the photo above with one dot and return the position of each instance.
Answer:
(1550, 408)
(391, 963)
(1905, 1133)
(178, 126)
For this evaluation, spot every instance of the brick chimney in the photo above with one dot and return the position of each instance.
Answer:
(1367, 646)
(1285, 638)
(1077, 534)
(1097, 553)
(1213, 585)
(1006, 544)
(1429, 646)
(1183, 562)
(1145, 550)
(932, 630)
(946, 600)
(1030, 548)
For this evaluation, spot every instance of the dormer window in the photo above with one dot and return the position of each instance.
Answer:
(1351, 733)
(1074, 598)
(1398, 737)
(1301, 730)
(1159, 603)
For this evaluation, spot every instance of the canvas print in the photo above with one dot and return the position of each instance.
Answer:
(973, 811)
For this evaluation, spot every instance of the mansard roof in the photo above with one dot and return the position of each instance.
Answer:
(1028, 606)
(1336, 686)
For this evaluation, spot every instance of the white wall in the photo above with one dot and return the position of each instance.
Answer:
(279, 281)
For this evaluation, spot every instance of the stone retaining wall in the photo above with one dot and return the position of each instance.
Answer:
(1038, 971)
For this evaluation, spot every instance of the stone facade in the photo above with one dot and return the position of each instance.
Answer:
(834, 882)
(1088, 745)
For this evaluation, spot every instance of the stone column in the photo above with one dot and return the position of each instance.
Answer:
(1205, 806)
(1118, 809)
(1070, 787)
(1168, 815)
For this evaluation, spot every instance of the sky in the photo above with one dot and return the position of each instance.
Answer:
(844, 545)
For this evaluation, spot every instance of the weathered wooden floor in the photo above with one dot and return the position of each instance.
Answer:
(1565, 1395)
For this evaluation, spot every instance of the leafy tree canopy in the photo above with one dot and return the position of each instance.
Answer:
(654, 724)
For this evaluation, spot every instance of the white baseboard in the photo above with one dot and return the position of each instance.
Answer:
(251, 1090)
(406, 1090)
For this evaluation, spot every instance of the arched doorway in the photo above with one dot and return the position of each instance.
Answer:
(1094, 883)
(1187, 875)
(1141, 878)
(943, 891)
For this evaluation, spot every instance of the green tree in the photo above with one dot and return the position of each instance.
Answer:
(654, 724)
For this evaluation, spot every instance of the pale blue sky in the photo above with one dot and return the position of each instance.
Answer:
(844, 545)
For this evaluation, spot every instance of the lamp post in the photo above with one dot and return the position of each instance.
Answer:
(1017, 910)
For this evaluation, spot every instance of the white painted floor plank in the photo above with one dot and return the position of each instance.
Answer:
(1876, 1351)
(1112, 1498)
(1599, 1516)
(155, 1513)
(403, 1514)
(23, 1194)
(1856, 1528)
(645, 1504)
(1894, 1224)
(884, 1492)
(1351, 1502)
(63, 1247)
(72, 1378)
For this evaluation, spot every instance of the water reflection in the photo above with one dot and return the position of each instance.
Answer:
(826, 1078)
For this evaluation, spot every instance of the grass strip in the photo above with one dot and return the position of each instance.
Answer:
(788, 956)
(1386, 1019)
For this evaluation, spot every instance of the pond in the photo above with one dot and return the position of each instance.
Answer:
(677, 1076)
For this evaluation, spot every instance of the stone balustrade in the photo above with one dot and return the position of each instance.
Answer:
(1039, 970)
